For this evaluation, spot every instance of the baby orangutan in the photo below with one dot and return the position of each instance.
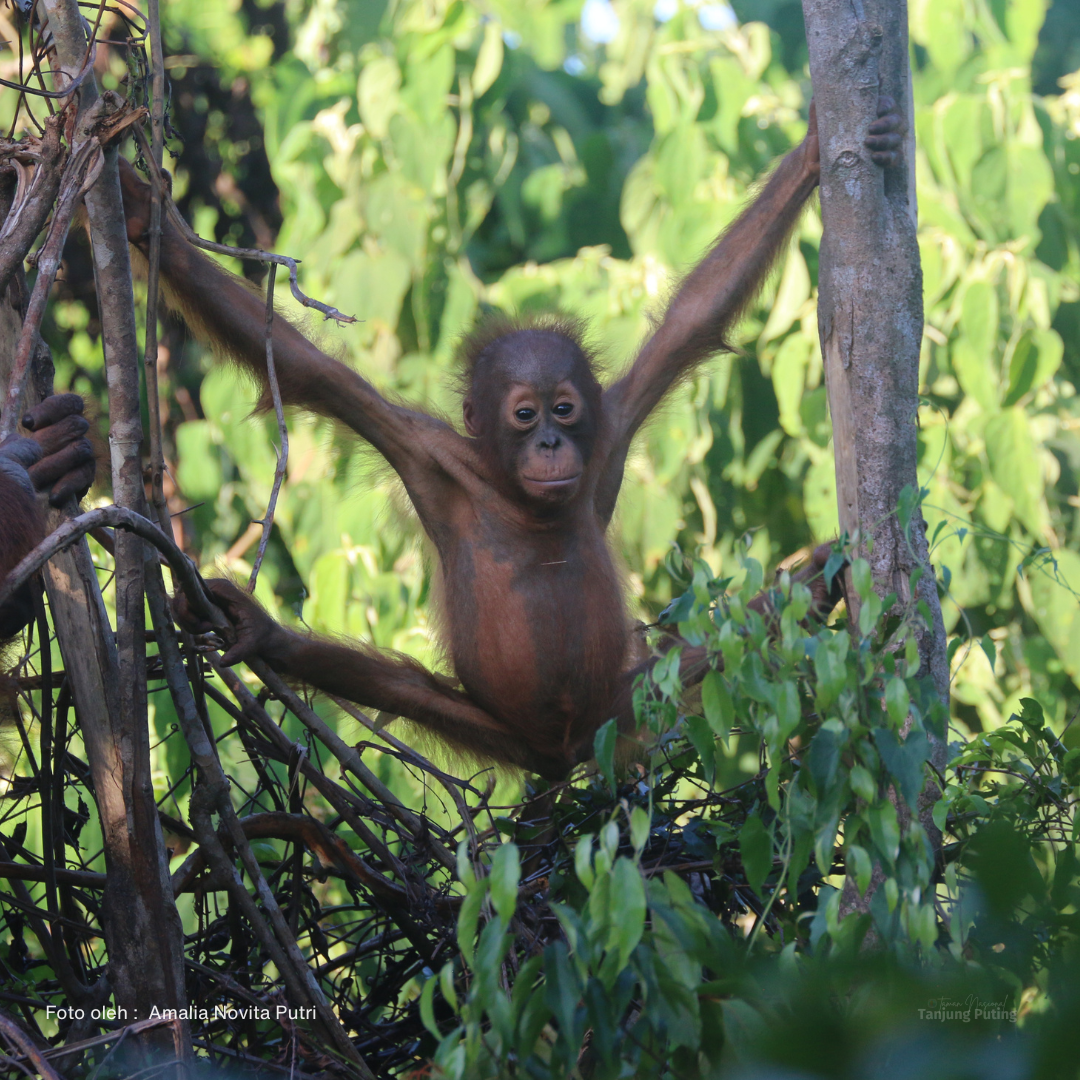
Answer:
(518, 507)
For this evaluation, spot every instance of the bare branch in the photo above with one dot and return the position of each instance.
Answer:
(39, 169)
(17, 1037)
(349, 758)
(150, 351)
(283, 431)
(118, 517)
(254, 254)
(81, 172)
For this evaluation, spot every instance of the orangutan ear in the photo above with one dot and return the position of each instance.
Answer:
(468, 413)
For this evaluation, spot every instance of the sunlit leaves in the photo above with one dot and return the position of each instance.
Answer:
(1054, 580)
(377, 94)
(489, 59)
(1015, 465)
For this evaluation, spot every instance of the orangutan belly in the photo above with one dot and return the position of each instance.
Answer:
(542, 642)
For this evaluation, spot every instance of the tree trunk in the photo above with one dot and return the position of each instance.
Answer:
(142, 927)
(870, 310)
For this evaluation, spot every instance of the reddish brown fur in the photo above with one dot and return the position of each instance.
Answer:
(478, 341)
(517, 512)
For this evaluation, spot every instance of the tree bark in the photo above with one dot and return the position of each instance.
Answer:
(870, 312)
(143, 929)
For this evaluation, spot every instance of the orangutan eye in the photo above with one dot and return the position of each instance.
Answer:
(524, 415)
(564, 408)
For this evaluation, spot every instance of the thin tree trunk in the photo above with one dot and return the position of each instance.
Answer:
(143, 929)
(870, 309)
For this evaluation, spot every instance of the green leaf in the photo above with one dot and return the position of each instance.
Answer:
(377, 94)
(772, 785)
(1022, 369)
(465, 871)
(884, 827)
(372, 287)
(639, 828)
(1001, 857)
(788, 710)
(469, 917)
(940, 813)
(833, 565)
(824, 843)
(583, 861)
(756, 850)
(861, 867)
(975, 374)
(1031, 714)
(604, 750)
(1056, 606)
(199, 472)
(1030, 188)
(704, 742)
(789, 379)
(819, 498)
(892, 893)
(800, 858)
(427, 1009)
(627, 909)
(942, 31)
(446, 985)
(754, 579)
(905, 506)
(429, 74)
(904, 760)
(862, 579)
(489, 59)
(979, 319)
(1016, 465)
(422, 149)
(680, 162)
(912, 658)
(824, 759)
(793, 292)
(562, 990)
(504, 877)
(863, 783)
(716, 704)
(830, 663)
(897, 701)
(869, 614)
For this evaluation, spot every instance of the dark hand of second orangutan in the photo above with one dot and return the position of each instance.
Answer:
(886, 137)
(56, 456)
(884, 140)
(254, 632)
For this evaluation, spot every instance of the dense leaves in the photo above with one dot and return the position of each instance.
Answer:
(429, 161)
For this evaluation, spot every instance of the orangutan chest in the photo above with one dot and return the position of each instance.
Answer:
(545, 630)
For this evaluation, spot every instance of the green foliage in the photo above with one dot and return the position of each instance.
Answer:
(671, 979)
(434, 159)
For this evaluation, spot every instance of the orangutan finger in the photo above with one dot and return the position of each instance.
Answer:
(74, 485)
(52, 410)
(56, 436)
(47, 471)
